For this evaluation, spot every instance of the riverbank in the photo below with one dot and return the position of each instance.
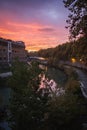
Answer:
(83, 81)
(76, 75)
(81, 75)
(69, 100)
(78, 65)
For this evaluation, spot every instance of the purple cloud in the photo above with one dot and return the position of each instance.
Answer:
(40, 11)
(34, 19)
(46, 29)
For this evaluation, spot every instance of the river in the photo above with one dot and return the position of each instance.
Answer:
(57, 75)
(53, 74)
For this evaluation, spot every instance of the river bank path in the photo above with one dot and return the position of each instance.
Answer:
(82, 75)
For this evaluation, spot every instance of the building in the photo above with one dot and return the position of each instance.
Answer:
(11, 50)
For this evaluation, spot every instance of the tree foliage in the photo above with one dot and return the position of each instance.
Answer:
(77, 19)
(26, 106)
(64, 52)
(32, 110)
(65, 112)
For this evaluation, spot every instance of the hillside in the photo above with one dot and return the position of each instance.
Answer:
(74, 49)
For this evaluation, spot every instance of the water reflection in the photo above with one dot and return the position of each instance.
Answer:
(50, 83)
(43, 67)
(54, 74)
(50, 87)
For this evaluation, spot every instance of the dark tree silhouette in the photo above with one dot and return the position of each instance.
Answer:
(77, 19)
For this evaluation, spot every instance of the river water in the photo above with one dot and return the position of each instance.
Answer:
(53, 74)
(57, 75)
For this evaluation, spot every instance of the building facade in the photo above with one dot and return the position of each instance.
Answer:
(11, 50)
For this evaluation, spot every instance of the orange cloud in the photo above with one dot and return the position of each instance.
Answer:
(35, 36)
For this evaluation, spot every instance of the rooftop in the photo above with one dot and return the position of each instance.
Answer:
(19, 43)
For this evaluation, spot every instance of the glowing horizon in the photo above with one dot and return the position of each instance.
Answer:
(39, 24)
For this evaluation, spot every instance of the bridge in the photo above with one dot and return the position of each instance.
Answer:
(38, 59)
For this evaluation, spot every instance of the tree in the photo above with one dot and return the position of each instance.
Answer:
(30, 109)
(77, 18)
(27, 107)
(65, 112)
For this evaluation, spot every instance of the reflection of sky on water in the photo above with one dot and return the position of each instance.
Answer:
(56, 75)
(52, 80)
(52, 87)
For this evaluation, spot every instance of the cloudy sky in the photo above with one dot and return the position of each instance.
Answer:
(39, 23)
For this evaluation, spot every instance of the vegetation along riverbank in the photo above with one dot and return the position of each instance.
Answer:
(31, 109)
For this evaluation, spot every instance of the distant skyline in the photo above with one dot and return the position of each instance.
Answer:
(39, 23)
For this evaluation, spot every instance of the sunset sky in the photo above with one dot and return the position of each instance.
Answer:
(39, 23)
